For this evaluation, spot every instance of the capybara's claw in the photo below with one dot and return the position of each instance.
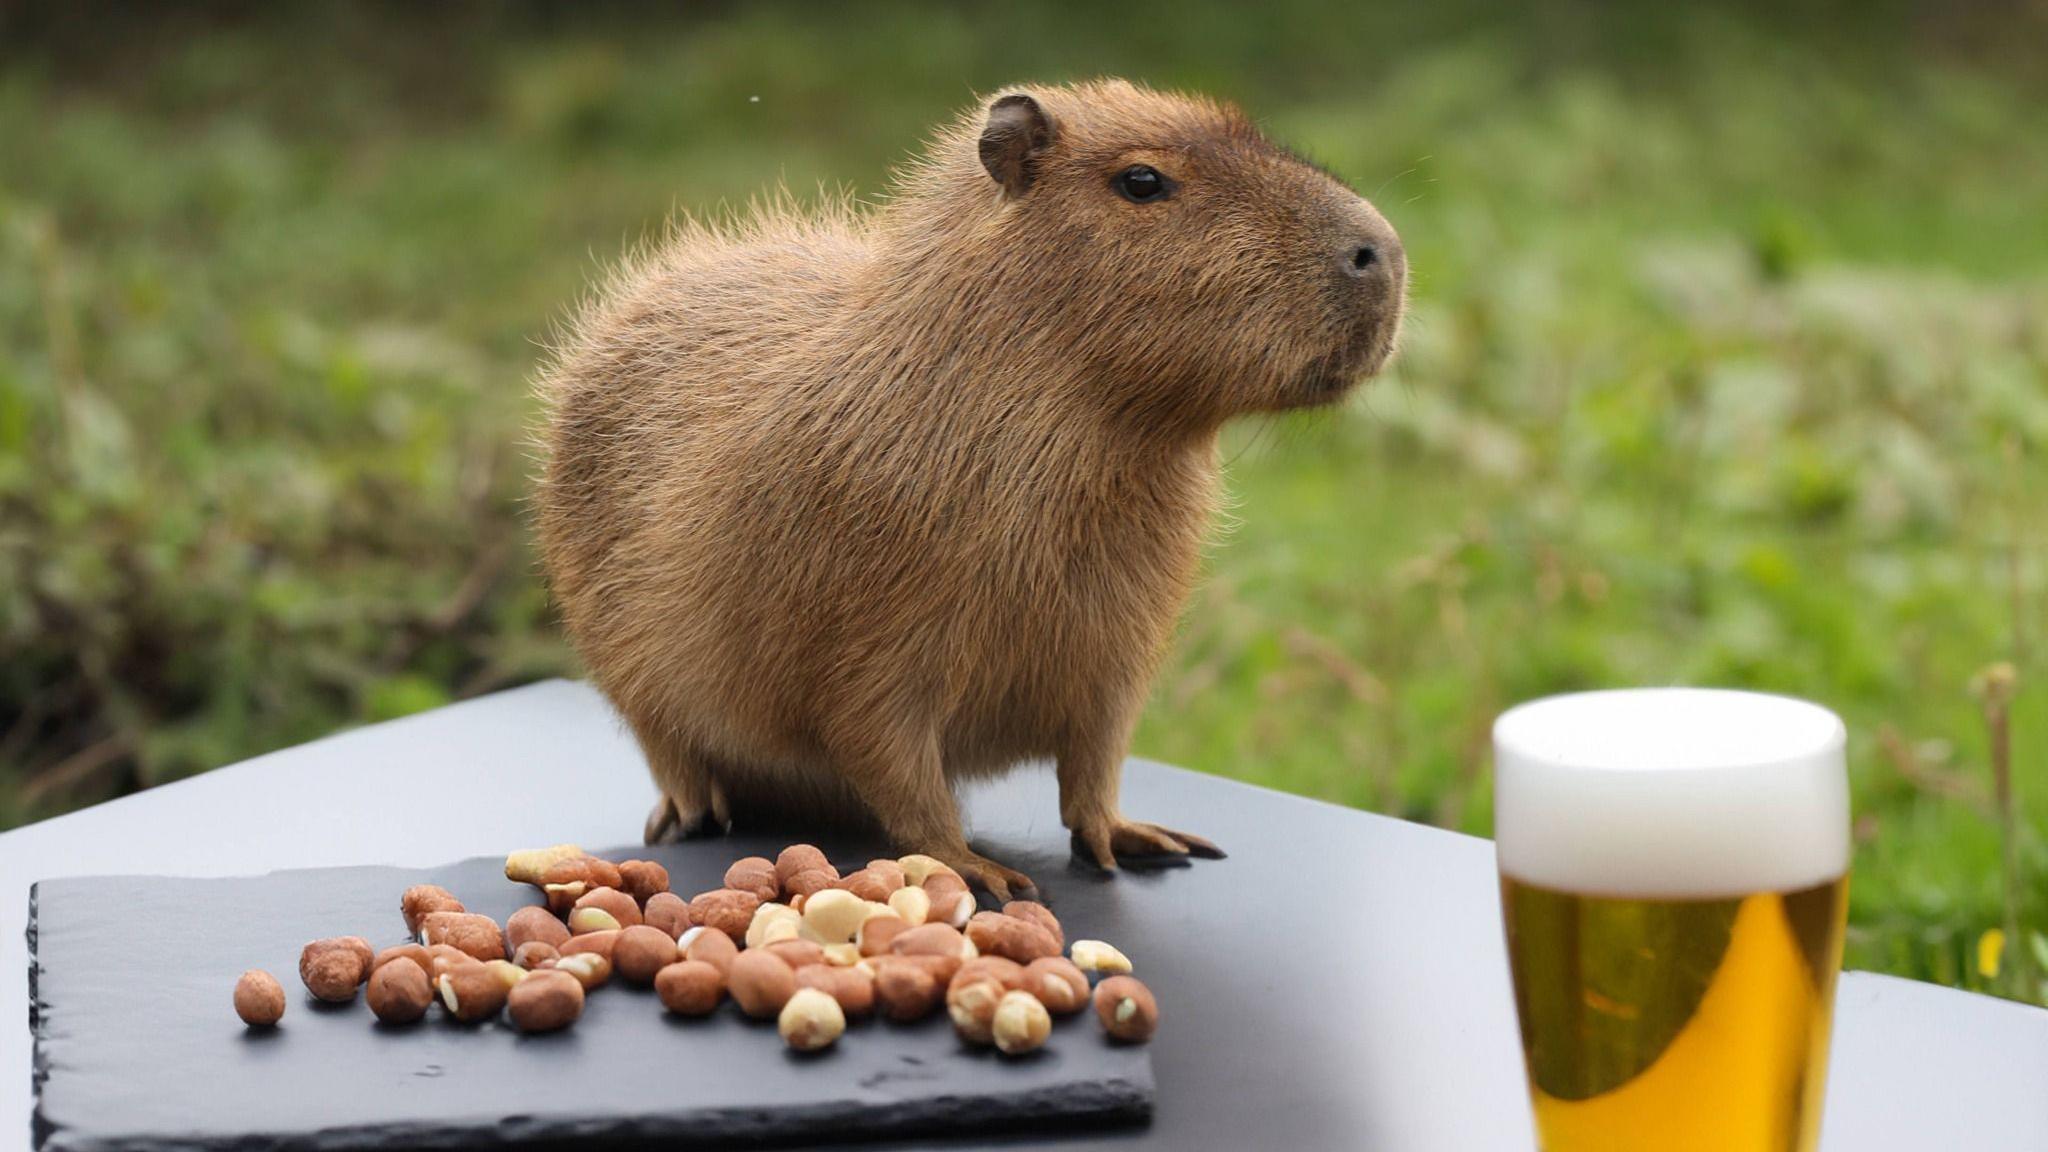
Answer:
(1107, 841)
(667, 824)
(662, 825)
(1004, 884)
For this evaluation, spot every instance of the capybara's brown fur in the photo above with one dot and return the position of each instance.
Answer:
(845, 506)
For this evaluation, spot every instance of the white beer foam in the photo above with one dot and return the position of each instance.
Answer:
(1671, 792)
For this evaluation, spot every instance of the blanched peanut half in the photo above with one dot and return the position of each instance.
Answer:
(529, 865)
(766, 918)
(834, 915)
(912, 905)
(1097, 956)
(917, 866)
(1021, 1024)
(586, 920)
(810, 1020)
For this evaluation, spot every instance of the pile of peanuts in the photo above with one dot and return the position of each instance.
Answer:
(788, 939)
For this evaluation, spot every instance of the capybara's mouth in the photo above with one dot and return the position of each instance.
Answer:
(1333, 376)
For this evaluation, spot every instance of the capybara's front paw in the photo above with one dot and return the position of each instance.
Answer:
(1110, 838)
(1004, 884)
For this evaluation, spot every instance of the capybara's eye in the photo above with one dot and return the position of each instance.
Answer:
(1142, 184)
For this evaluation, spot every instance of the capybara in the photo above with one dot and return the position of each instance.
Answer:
(845, 505)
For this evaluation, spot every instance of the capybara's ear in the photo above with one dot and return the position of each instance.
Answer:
(1017, 133)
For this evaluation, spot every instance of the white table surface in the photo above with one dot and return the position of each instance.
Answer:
(1914, 1067)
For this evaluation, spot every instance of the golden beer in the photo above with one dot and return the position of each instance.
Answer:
(1673, 886)
(1675, 1024)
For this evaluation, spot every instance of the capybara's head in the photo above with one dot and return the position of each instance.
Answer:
(1194, 267)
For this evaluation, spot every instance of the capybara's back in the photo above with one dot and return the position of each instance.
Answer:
(843, 507)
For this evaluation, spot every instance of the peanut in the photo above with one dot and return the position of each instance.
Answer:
(755, 874)
(888, 872)
(568, 880)
(400, 991)
(841, 955)
(477, 936)
(690, 987)
(913, 905)
(951, 903)
(868, 885)
(810, 1020)
(641, 952)
(619, 905)
(565, 882)
(334, 968)
(1058, 984)
(726, 910)
(546, 1002)
(1040, 915)
(907, 992)
(259, 999)
(800, 858)
(421, 899)
(1096, 956)
(442, 957)
(534, 923)
(584, 920)
(876, 932)
(535, 955)
(642, 879)
(972, 1006)
(833, 915)
(854, 989)
(506, 972)
(809, 881)
(997, 934)
(417, 953)
(472, 992)
(777, 920)
(760, 983)
(1127, 1010)
(1004, 971)
(798, 953)
(1021, 1024)
(930, 940)
(917, 868)
(710, 946)
(591, 969)
(668, 912)
(604, 873)
(942, 968)
(600, 943)
(530, 865)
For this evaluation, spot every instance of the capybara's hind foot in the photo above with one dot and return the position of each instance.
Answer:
(1105, 841)
(668, 824)
(663, 826)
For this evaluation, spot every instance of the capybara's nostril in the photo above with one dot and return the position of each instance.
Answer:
(1370, 252)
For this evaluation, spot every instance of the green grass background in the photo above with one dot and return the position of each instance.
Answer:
(1728, 364)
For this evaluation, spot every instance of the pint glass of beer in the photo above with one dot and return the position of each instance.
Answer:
(1674, 876)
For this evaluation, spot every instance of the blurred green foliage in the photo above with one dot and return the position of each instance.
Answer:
(1728, 363)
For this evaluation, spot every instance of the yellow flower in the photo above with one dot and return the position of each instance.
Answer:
(1990, 949)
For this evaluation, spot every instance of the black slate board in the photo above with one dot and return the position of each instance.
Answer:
(137, 1045)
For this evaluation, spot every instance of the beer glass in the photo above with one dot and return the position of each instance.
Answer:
(1674, 877)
